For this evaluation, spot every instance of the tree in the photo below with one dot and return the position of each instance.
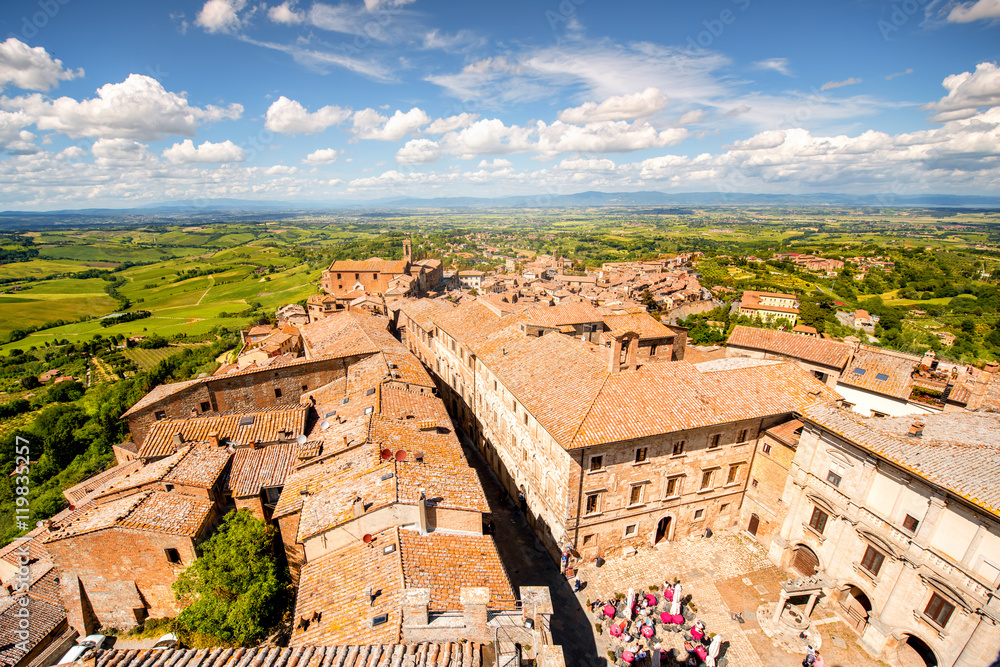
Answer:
(234, 589)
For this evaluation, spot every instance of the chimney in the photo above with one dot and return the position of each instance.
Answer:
(178, 439)
(422, 512)
(213, 439)
(345, 441)
(917, 429)
(358, 507)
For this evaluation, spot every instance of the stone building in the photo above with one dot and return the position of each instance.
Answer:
(901, 518)
(609, 451)
(770, 306)
(823, 358)
(763, 511)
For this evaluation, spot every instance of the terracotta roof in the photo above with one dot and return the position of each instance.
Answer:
(881, 373)
(242, 428)
(160, 392)
(191, 465)
(787, 432)
(958, 451)
(349, 654)
(568, 313)
(45, 613)
(80, 493)
(422, 311)
(815, 350)
(445, 563)
(331, 595)
(254, 469)
(642, 323)
(153, 511)
(371, 264)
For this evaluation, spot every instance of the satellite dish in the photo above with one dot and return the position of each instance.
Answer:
(301, 439)
(367, 539)
(401, 455)
(324, 425)
(386, 454)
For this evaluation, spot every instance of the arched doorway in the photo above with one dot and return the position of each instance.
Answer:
(805, 561)
(662, 530)
(914, 652)
(754, 525)
(857, 608)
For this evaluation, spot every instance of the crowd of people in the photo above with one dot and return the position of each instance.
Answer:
(640, 624)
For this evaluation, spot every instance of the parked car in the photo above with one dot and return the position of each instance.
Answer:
(168, 640)
(76, 652)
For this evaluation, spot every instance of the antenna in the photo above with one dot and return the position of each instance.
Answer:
(386, 454)
(301, 439)
(324, 425)
(367, 539)
(400, 454)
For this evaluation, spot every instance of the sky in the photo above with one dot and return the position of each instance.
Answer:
(114, 103)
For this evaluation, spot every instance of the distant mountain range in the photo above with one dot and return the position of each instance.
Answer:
(202, 207)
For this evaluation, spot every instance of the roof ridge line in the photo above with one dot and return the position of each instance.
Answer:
(600, 391)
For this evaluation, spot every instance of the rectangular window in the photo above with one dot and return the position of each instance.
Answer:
(631, 530)
(588, 540)
(277, 392)
(910, 523)
(754, 483)
(698, 514)
(160, 414)
(635, 495)
(743, 436)
(205, 406)
(714, 442)
(766, 448)
(734, 472)
(678, 448)
(724, 507)
(596, 463)
(640, 455)
(818, 520)
(706, 479)
(834, 478)
(592, 503)
(173, 555)
(673, 487)
(939, 610)
(872, 560)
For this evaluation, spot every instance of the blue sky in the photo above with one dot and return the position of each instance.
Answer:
(117, 103)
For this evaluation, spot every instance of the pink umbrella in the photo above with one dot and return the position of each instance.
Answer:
(647, 631)
(669, 594)
(627, 656)
(616, 631)
(666, 617)
(650, 599)
(609, 610)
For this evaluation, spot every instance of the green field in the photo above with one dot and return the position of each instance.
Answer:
(147, 359)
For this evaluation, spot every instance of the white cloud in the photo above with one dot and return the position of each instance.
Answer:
(71, 153)
(968, 92)
(137, 108)
(779, 65)
(120, 150)
(281, 169)
(497, 163)
(372, 5)
(621, 107)
(586, 164)
(419, 151)
(321, 61)
(890, 77)
(442, 125)
(287, 116)
(840, 84)
(322, 156)
(220, 15)
(974, 11)
(31, 68)
(12, 137)
(488, 137)
(693, 116)
(605, 137)
(286, 13)
(207, 152)
(370, 124)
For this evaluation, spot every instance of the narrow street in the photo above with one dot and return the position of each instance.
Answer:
(528, 564)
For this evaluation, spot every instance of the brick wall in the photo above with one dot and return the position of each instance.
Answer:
(763, 498)
(122, 555)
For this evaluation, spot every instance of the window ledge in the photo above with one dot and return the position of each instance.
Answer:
(731, 485)
(635, 507)
(677, 456)
(593, 515)
(640, 463)
(815, 533)
(594, 472)
(874, 578)
(920, 616)
(708, 490)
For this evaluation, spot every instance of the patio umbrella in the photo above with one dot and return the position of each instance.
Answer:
(713, 650)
